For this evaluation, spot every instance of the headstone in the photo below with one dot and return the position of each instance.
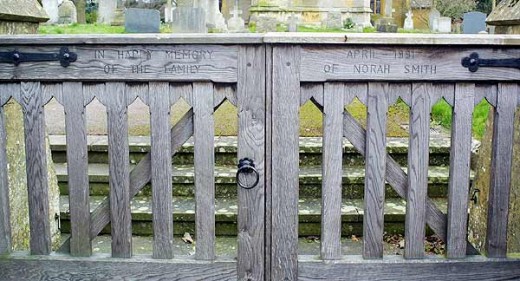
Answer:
(236, 23)
(292, 23)
(168, 14)
(142, 20)
(473, 23)
(189, 20)
(408, 22)
(386, 25)
(334, 20)
(433, 20)
(106, 11)
(51, 8)
(67, 13)
(444, 25)
(266, 23)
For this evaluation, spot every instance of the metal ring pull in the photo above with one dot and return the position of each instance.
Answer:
(247, 166)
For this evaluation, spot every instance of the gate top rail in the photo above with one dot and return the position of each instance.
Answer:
(271, 38)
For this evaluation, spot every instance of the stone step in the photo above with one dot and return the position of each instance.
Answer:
(226, 215)
(310, 181)
(228, 246)
(226, 150)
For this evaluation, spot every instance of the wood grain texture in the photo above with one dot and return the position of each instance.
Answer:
(32, 101)
(116, 102)
(162, 205)
(6, 91)
(204, 154)
(392, 269)
(77, 168)
(418, 155)
(501, 159)
(268, 160)
(459, 182)
(375, 167)
(130, 63)
(285, 162)
(104, 269)
(382, 63)
(251, 144)
(332, 170)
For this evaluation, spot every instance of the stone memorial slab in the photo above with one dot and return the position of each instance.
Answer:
(51, 8)
(433, 20)
(106, 11)
(142, 20)
(189, 20)
(473, 23)
(408, 22)
(334, 20)
(67, 13)
(266, 23)
(386, 25)
(444, 25)
(236, 23)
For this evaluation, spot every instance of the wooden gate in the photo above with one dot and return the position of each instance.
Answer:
(332, 70)
(116, 71)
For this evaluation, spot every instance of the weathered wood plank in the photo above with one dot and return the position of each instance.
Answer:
(32, 101)
(102, 268)
(116, 102)
(77, 167)
(375, 167)
(460, 154)
(268, 156)
(251, 144)
(162, 206)
(501, 160)
(6, 90)
(204, 154)
(332, 169)
(130, 63)
(285, 160)
(418, 154)
(354, 63)
(391, 269)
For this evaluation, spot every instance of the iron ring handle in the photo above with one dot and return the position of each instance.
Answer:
(247, 166)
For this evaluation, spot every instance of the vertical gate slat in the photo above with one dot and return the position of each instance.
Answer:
(285, 160)
(77, 167)
(115, 99)
(501, 159)
(375, 167)
(204, 131)
(332, 171)
(251, 144)
(162, 207)
(458, 188)
(32, 101)
(418, 153)
(6, 90)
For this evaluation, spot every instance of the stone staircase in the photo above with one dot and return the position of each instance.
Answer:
(226, 189)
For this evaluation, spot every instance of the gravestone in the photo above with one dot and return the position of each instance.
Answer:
(67, 13)
(142, 21)
(292, 23)
(236, 23)
(334, 20)
(106, 11)
(408, 22)
(189, 20)
(444, 25)
(386, 25)
(473, 23)
(51, 8)
(266, 23)
(433, 20)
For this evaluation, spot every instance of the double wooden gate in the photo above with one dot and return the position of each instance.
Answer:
(267, 78)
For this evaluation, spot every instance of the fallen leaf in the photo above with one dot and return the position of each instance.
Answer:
(187, 238)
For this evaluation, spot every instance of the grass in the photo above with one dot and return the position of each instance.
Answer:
(89, 29)
(442, 115)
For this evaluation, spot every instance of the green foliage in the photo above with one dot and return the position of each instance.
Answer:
(348, 23)
(442, 115)
(91, 17)
(80, 29)
(455, 8)
(484, 6)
